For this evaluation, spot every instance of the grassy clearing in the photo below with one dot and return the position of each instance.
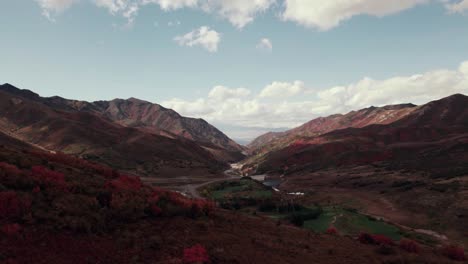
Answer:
(249, 196)
(350, 222)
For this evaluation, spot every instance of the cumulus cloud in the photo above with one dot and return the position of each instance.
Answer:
(322, 15)
(168, 5)
(203, 37)
(458, 6)
(52, 7)
(238, 12)
(242, 108)
(325, 15)
(265, 44)
(222, 93)
(283, 89)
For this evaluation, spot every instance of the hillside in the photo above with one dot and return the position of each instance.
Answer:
(417, 164)
(373, 115)
(26, 117)
(60, 209)
(147, 117)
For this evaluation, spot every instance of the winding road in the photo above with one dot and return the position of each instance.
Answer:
(192, 189)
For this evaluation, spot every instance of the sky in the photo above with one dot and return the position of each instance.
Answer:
(246, 66)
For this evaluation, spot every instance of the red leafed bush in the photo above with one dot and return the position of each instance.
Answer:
(410, 246)
(125, 183)
(454, 252)
(196, 254)
(48, 178)
(366, 238)
(77, 162)
(9, 169)
(332, 231)
(11, 206)
(171, 203)
(11, 229)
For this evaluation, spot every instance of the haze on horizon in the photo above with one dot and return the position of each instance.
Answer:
(245, 66)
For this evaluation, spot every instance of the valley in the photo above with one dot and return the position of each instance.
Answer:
(371, 181)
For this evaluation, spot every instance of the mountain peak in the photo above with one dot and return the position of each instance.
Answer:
(19, 92)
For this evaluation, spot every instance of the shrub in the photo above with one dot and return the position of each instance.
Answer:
(454, 252)
(48, 178)
(410, 246)
(385, 250)
(383, 240)
(366, 238)
(297, 220)
(332, 230)
(125, 183)
(171, 204)
(196, 254)
(11, 206)
(11, 229)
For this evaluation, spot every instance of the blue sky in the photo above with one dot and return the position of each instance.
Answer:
(252, 66)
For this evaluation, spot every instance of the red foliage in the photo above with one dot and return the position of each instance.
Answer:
(78, 163)
(196, 254)
(454, 252)
(366, 238)
(9, 169)
(36, 189)
(410, 246)
(11, 206)
(11, 229)
(191, 207)
(332, 231)
(125, 183)
(48, 178)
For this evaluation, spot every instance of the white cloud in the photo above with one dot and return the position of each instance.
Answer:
(168, 5)
(238, 12)
(319, 14)
(198, 107)
(222, 93)
(283, 89)
(265, 44)
(458, 6)
(53, 7)
(325, 15)
(242, 108)
(204, 37)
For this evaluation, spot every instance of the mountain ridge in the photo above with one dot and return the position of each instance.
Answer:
(148, 117)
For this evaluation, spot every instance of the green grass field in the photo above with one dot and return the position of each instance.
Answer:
(350, 222)
(347, 221)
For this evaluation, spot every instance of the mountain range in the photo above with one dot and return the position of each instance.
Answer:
(130, 135)
(69, 176)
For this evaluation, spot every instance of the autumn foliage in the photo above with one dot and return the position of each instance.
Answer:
(410, 246)
(196, 254)
(62, 199)
(12, 206)
(454, 252)
(331, 231)
(371, 239)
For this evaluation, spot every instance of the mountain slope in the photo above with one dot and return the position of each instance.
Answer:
(59, 209)
(25, 116)
(374, 115)
(148, 117)
(379, 132)
(417, 165)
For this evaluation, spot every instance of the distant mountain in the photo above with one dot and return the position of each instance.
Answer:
(398, 134)
(373, 115)
(82, 129)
